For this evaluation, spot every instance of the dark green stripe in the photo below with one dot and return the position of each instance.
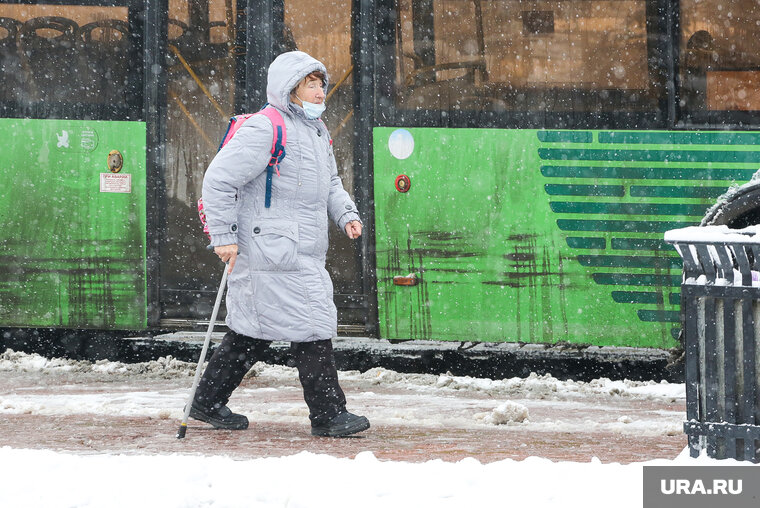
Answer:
(577, 242)
(584, 190)
(660, 316)
(674, 298)
(668, 209)
(631, 261)
(636, 297)
(674, 332)
(682, 138)
(724, 174)
(636, 279)
(640, 244)
(571, 154)
(628, 226)
(565, 136)
(666, 191)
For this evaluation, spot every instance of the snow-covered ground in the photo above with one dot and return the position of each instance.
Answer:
(81, 434)
(42, 478)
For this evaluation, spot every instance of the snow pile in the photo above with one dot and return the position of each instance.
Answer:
(532, 387)
(13, 361)
(505, 414)
(639, 389)
(163, 368)
(714, 234)
(126, 401)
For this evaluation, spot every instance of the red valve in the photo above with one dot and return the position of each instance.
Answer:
(403, 183)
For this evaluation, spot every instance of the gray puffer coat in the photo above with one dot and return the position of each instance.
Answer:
(279, 288)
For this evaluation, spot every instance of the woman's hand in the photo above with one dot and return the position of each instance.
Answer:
(354, 229)
(228, 254)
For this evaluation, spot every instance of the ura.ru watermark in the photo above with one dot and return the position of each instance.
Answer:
(728, 486)
(716, 486)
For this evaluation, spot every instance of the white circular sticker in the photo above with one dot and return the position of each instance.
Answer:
(401, 143)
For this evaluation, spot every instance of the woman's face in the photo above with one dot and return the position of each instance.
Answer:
(310, 90)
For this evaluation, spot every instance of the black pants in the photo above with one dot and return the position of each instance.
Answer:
(236, 355)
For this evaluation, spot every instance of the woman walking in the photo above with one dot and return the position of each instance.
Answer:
(278, 288)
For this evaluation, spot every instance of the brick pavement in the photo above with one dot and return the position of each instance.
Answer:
(140, 415)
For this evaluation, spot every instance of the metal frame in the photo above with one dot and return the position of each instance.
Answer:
(155, 105)
(240, 52)
(364, 43)
(722, 403)
(261, 25)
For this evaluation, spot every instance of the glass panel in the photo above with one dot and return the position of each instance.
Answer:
(720, 64)
(513, 55)
(327, 37)
(79, 55)
(201, 98)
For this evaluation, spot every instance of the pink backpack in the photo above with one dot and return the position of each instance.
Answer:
(279, 138)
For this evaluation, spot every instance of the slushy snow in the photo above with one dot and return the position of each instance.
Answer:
(50, 479)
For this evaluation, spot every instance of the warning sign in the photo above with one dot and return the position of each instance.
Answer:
(116, 182)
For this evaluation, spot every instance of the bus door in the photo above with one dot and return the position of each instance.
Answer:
(504, 212)
(206, 59)
(328, 38)
(74, 164)
(218, 53)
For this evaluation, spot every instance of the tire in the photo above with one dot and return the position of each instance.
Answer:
(741, 209)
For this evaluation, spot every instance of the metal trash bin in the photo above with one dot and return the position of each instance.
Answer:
(720, 318)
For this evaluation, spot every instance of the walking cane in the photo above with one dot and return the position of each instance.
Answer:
(183, 427)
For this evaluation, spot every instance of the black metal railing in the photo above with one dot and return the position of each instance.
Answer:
(720, 316)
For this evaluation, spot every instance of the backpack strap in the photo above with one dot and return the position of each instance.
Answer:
(235, 123)
(279, 139)
(328, 133)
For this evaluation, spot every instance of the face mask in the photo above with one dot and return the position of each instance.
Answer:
(313, 111)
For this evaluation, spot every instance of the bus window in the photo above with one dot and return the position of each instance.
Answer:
(512, 55)
(327, 37)
(202, 87)
(720, 64)
(68, 61)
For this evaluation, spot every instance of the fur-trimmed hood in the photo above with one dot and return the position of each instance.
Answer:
(285, 72)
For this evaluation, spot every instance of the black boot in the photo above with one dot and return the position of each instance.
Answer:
(222, 418)
(225, 370)
(321, 391)
(342, 425)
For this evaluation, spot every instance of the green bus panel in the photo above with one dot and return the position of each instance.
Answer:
(73, 239)
(542, 236)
